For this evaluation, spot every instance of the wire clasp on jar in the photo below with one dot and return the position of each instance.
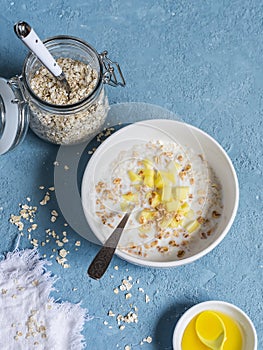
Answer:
(109, 73)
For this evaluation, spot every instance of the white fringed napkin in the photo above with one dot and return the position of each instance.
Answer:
(29, 318)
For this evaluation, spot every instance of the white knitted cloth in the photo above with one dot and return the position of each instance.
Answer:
(29, 318)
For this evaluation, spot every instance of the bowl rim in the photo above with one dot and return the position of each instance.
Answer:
(168, 264)
(207, 305)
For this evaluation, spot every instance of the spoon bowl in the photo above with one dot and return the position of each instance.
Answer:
(211, 330)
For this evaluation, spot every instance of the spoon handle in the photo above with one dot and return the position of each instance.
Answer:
(29, 37)
(103, 258)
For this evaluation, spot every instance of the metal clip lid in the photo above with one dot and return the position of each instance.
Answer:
(14, 116)
(109, 73)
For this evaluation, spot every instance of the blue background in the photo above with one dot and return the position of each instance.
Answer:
(200, 59)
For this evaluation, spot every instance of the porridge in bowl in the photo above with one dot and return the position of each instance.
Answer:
(176, 196)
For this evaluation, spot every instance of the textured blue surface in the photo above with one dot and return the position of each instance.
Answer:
(200, 59)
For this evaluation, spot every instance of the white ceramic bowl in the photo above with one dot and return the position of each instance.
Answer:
(246, 325)
(189, 137)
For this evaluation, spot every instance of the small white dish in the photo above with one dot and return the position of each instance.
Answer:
(247, 328)
(188, 137)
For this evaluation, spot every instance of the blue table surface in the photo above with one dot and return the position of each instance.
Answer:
(199, 59)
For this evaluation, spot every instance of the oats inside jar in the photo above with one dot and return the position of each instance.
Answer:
(77, 123)
(82, 79)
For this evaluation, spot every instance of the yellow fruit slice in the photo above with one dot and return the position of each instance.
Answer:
(147, 163)
(158, 182)
(165, 222)
(166, 193)
(130, 197)
(184, 209)
(148, 177)
(154, 199)
(169, 175)
(133, 176)
(181, 192)
(192, 226)
(174, 223)
(146, 215)
(173, 205)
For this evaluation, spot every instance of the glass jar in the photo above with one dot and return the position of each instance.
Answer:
(60, 124)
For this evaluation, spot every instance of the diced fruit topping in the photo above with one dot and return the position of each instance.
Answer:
(181, 192)
(130, 197)
(192, 226)
(133, 176)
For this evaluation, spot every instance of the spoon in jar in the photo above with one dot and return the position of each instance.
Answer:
(103, 258)
(29, 37)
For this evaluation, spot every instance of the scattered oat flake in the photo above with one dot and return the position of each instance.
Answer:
(148, 340)
(111, 314)
(66, 167)
(34, 242)
(78, 243)
(147, 299)
(53, 218)
(61, 260)
(116, 267)
(128, 296)
(14, 219)
(127, 347)
(116, 290)
(59, 243)
(63, 253)
(52, 189)
(122, 327)
(45, 200)
(127, 285)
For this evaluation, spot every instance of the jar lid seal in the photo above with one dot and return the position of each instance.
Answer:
(13, 124)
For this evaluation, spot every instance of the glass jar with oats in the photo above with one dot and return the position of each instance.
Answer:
(57, 116)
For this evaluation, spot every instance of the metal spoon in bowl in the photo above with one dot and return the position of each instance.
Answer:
(29, 37)
(103, 258)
